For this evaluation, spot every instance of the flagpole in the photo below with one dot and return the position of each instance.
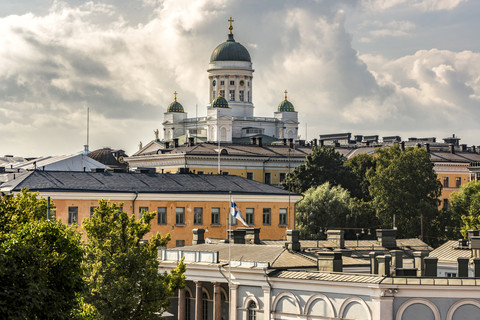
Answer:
(229, 256)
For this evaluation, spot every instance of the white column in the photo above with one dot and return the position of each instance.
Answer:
(382, 308)
(233, 301)
(181, 304)
(266, 303)
(217, 301)
(198, 300)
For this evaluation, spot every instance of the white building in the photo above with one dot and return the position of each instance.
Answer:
(230, 74)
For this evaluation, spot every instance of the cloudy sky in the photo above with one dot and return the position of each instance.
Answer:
(386, 67)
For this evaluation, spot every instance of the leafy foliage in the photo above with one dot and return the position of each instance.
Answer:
(360, 165)
(121, 270)
(40, 261)
(323, 164)
(405, 186)
(465, 204)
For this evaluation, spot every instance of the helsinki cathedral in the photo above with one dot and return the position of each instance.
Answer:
(230, 115)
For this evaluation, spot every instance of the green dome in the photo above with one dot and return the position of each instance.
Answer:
(230, 51)
(175, 106)
(220, 102)
(286, 106)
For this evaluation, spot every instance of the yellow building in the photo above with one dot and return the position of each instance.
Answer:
(183, 202)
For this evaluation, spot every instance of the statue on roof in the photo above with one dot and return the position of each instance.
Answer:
(156, 134)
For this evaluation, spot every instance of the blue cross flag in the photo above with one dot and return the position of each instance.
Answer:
(236, 213)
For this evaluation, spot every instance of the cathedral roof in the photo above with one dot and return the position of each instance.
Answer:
(230, 50)
(220, 102)
(285, 105)
(175, 106)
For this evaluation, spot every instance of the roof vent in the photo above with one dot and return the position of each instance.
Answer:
(145, 170)
(98, 170)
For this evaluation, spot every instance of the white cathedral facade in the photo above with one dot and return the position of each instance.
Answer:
(230, 115)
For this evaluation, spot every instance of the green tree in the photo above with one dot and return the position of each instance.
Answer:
(121, 270)
(40, 261)
(465, 204)
(360, 165)
(404, 187)
(323, 164)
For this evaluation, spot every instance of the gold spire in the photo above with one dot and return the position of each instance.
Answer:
(175, 99)
(286, 95)
(231, 27)
(219, 93)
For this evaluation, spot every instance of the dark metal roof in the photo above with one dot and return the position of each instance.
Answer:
(230, 51)
(63, 181)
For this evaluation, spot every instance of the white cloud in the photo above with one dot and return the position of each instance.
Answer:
(424, 5)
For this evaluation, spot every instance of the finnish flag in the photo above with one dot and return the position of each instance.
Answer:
(236, 213)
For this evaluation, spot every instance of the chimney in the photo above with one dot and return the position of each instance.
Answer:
(330, 261)
(384, 265)
(198, 236)
(474, 149)
(452, 148)
(373, 262)
(337, 237)
(293, 242)
(252, 235)
(284, 141)
(253, 140)
(238, 235)
(387, 238)
(315, 142)
(475, 246)
(462, 270)
(259, 141)
(472, 233)
(402, 145)
(463, 147)
(290, 142)
(419, 145)
(419, 256)
(430, 266)
(322, 143)
(427, 147)
(191, 141)
(175, 143)
(476, 267)
(2, 170)
(397, 259)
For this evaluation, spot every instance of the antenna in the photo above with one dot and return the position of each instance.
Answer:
(86, 151)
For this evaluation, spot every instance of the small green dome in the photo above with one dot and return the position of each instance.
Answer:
(175, 106)
(286, 106)
(220, 102)
(230, 51)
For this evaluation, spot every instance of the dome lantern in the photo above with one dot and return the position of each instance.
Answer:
(175, 106)
(285, 105)
(220, 102)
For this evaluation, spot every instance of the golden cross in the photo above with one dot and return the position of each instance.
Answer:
(231, 27)
(175, 93)
(286, 95)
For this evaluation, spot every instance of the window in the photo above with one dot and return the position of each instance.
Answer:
(180, 215)
(252, 312)
(197, 215)
(458, 182)
(141, 211)
(232, 95)
(199, 172)
(188, 306)
(248, 94)
(446, 204)
(205, 306)
(222, 93)
(282, 217)
(72, 215)
(222, 83)
(250, 175)
(92, 211)
(215, 215)
(161, 215)
(241, 95)
(232, 83)
(225, 173)
(180, 243)
(445, 182)
(268, 178)
(266, 216)
(250, 216)
(282, 176)
(450, 275)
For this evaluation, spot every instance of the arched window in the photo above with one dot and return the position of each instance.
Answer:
(205, 306)
(252, 311)
(188, 306)
(223, 134)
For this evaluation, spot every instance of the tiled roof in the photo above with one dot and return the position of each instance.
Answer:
(328, 276)
(449, 252)
(139, 182)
